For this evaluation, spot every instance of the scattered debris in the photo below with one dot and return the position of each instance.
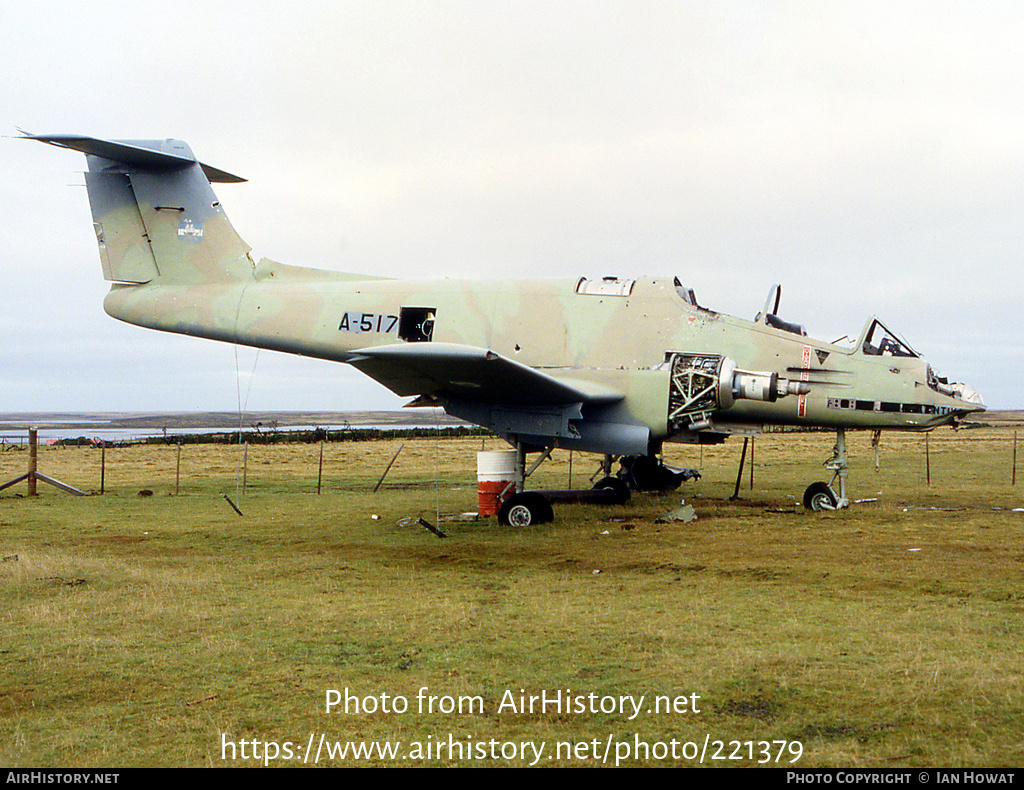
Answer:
(684, 513)
(409, 521)
(233, 505)
(145, 492)
(11, 558)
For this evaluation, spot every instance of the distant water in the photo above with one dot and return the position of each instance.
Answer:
(20, 435)
(55, 427)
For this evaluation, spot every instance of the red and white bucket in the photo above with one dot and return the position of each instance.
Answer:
(495, 471)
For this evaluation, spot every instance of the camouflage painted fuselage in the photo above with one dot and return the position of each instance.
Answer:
(609, 366)
(600, 343)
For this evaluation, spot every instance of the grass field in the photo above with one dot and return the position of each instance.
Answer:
(167, 630)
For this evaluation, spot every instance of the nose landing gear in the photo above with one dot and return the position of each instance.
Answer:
(822, 496)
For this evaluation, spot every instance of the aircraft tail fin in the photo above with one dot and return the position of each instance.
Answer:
(155, 214)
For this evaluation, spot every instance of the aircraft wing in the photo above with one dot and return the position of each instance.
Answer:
(472, 374)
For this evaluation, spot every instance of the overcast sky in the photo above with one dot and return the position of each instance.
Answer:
(869, 156)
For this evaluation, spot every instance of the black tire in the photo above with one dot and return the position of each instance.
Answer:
(820, 496)
(525, 510)
(620, 488)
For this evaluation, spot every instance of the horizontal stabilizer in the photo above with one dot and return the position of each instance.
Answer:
(466, 372)
(144, 154)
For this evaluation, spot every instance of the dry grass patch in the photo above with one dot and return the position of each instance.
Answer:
(140, 630)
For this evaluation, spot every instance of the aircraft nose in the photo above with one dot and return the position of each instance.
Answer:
(972, 396)
(969, 396)
(957, 390)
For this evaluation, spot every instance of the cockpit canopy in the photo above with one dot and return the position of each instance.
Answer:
(877, 340)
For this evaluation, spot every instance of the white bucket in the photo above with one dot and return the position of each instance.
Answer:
(495, 470)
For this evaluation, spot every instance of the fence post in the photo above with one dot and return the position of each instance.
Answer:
(33, 460)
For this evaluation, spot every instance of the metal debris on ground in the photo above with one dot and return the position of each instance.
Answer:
(684, 513)
(233, 505)
(409, 521)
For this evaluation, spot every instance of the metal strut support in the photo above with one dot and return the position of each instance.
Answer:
(876, 438)
(839, 468)
(543, 457)
(520, 480)
(521, 473)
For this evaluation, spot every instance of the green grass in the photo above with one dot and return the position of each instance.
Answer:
(140, 631)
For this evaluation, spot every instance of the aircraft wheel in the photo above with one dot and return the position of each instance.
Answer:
(524, 510)
(618, 486)
(820, 496)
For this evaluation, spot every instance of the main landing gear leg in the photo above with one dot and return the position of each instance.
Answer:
(822, 496)
(524, 508)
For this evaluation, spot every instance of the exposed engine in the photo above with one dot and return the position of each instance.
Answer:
(703, 383)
